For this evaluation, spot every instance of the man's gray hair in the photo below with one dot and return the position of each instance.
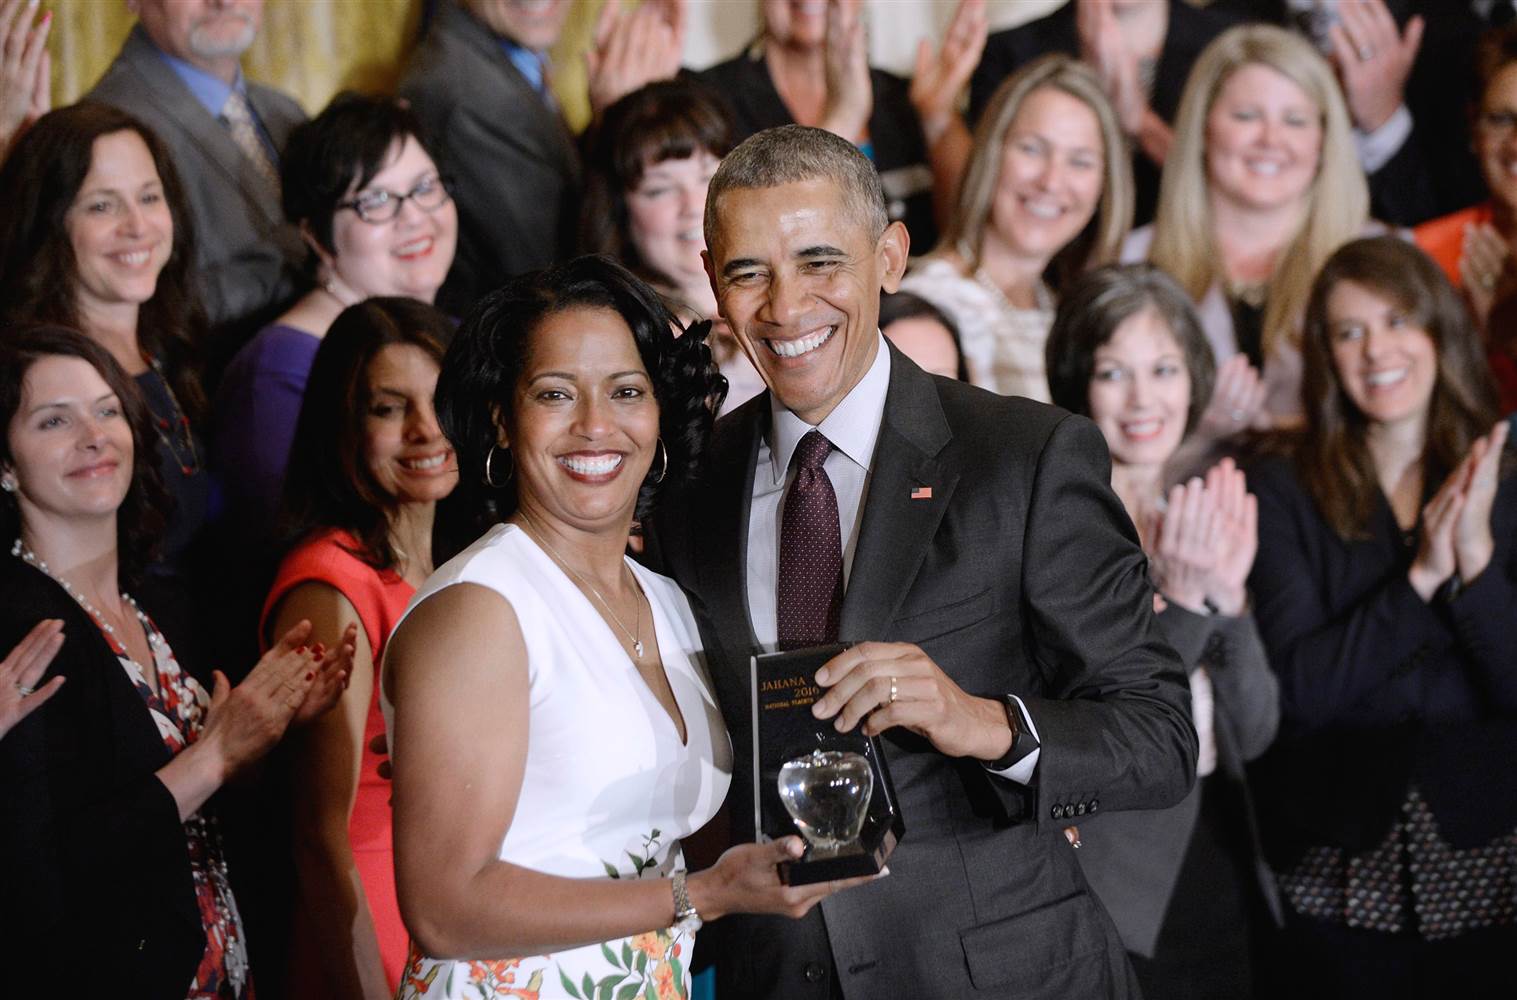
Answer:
(791, 154)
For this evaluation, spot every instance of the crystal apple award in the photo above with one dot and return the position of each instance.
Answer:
(827, 793)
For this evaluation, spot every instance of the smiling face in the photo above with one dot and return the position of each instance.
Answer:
(532, 24)
(201, 31)
(664, 213)
(1263, 140)
(800, 24)
(798, 278)
(1140, 390)
(584, 422)
(408, 255)
(1052, 170)
(1496, 136)
(1385, 361)
(70, 445)
(119, 226)
(403, 447)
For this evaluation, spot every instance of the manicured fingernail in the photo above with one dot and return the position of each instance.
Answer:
(300, 649)
(822, 675)
(310, 674)
(317, 656)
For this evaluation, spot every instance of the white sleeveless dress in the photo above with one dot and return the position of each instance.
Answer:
(609, 790)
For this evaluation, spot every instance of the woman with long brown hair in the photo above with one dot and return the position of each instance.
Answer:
(1385, 592)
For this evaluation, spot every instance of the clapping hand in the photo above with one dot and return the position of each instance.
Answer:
(25, 68)
(1237, 533)
(1186, 545)
(1105, 49)
(1482, 266)
(291, 681)
(634, 48)
(1374, 59)
(1456, 523)
(1237, 401)
(940, 76)
(850, 92)
(23, 668)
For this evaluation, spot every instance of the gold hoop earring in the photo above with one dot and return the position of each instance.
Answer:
(663, 469)
(510, 468)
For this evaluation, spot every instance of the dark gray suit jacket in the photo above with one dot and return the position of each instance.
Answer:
(1133, 859)
(515, 169)
(1021, 574)
(247, 258)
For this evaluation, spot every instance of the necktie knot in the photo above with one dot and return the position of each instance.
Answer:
(812, 451)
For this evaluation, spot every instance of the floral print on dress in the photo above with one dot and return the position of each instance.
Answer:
(648, 966)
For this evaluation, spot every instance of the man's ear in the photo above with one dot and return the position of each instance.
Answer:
(710, 266)
(894, 248)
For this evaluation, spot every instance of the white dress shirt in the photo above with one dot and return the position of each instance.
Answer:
(853, 426)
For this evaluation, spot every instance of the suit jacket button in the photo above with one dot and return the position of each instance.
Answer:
(814, 972)
(1080, 809)
(1094, 804)
(1058, 812)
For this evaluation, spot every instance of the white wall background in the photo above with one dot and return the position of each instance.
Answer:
(718, 29)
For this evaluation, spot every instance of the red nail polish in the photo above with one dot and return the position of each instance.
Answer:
(316, 657)
(310, 674)
(300, 649)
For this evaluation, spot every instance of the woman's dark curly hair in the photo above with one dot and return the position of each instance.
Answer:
(38, 273)
(327, 483)
(666, 120)
(1099, 301)
(340, 150)
(141, 518)
(491, 350)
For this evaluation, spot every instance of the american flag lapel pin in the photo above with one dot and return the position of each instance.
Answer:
(922, 493)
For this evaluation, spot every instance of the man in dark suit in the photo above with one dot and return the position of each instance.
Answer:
(479, 80)
(178, 72)
(972, 545)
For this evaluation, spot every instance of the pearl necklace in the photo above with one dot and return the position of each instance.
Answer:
(24, 552)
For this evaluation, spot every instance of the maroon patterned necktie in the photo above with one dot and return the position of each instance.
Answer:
(811, 552)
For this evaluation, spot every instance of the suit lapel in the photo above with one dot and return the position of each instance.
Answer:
(722, 548)
(174, 100)
(908, 492)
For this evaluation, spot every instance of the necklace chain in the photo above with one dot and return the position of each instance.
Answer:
(637, 643)
(169, 430)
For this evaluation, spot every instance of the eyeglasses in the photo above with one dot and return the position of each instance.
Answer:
(379, 206)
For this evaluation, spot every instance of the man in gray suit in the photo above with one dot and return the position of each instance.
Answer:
(178, 73)
(972, 547)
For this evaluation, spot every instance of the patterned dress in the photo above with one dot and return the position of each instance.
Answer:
(178, 709)
(608, 789)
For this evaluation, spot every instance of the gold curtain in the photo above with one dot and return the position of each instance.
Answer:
(310, 49)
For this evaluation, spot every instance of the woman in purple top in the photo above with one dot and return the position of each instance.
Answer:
(361, 181)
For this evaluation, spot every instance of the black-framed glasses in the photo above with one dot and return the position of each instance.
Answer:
(379, 206)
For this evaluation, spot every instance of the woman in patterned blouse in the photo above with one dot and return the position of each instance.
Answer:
(115, 850)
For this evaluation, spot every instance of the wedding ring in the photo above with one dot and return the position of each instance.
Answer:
(1366, 53)
(1487, 282)
(892, 691)
(26, 689)
(1237, 416)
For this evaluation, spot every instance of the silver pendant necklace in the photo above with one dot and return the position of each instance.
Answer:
(637, 643)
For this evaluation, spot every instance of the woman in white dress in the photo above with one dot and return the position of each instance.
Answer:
(553, 730)
(1047, 195)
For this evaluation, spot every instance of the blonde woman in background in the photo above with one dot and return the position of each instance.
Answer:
(1047, 195)
(1262, 184)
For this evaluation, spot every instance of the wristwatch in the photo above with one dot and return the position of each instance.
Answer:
(686, 920)
(1023, 742)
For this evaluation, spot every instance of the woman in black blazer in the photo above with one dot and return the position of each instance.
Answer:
(113, 854)
(1386, 593)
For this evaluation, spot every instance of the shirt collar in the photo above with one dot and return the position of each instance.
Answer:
(210, 90)
(853, 425)
(528, 62)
